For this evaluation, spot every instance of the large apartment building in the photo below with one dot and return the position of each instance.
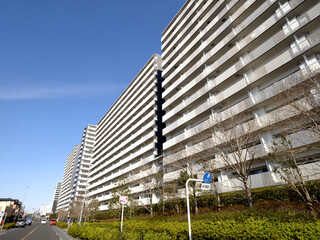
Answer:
(82, 166)
(56, 197)
(221, 60)
(230, 56)
(129, 139)
(64, 200)
(75, 177)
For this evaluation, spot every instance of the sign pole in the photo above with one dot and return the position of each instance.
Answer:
(206, 179)
(4, 221)
(122, 217)
(123, 200)
(188, 204)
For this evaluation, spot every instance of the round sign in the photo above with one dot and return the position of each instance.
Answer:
(207, 177)
(123, 200)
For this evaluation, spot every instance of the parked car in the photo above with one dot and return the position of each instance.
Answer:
(29, 221)
(21, 223)
(43, 221)
(53, 222)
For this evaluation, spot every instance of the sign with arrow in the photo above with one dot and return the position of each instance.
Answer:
(207, 177)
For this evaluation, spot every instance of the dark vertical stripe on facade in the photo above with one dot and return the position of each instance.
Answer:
(159, 112)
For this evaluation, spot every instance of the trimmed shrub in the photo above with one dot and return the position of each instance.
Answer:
(62, 224)
(250, 228)
(9, 225)
(75, 230)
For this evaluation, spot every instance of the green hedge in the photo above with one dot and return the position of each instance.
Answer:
(277, 193)
(62, 224)
(201, 229)
(9, 225)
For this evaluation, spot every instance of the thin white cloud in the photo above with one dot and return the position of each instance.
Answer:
(50, 92)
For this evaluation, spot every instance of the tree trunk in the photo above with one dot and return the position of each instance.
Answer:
(309, 201)
(151, 207)
(305, 190)
(163, 207)
(248, 192)
(196, 210)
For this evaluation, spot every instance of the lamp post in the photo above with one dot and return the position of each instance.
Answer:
(24, 196)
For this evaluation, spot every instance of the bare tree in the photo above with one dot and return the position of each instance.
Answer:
(234, 140)
(186, 161)
(298, 98)
(91, 210)
(301, 94)
(150, 178)
(75, 209)
(170, 193)
(284, 155)
(62, 215)
(121, 189)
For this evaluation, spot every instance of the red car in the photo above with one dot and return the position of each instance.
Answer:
(53, 222)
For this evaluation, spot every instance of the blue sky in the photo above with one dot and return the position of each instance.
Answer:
(63, 63)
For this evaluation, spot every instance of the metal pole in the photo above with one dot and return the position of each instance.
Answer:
(25, 193)
(83, 203)
(4, 221)
(188, 205)
(122, 217)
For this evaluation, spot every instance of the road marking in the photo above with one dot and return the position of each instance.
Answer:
(29, 233)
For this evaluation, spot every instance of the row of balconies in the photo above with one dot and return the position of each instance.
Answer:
(184, 31)
(125, 152)
(113, 147)
(124, 161)
(283, 58)
(138, 89)
(124, 145)
(187, 32)
(144, 98)
(119, 133)
(174, 26)
(225, 58)
(217, 36)
(117, 175)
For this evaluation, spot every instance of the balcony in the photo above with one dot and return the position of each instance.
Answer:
(126, 148)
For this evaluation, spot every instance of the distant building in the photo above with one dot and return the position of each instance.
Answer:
(73, 186)
(56, 197)
(82, 166)
(65, 191)
(11, 209)
(45, 210)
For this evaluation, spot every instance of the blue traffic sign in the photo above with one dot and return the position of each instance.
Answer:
(207, 177)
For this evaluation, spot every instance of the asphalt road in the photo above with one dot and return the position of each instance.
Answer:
(36, 231)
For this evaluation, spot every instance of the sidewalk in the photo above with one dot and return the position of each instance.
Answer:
(62, 233)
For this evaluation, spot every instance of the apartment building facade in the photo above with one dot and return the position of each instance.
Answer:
(64, 200)
(82, 166)
(75, 177)
(129, 139)
(56, 197)
(222, 57)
